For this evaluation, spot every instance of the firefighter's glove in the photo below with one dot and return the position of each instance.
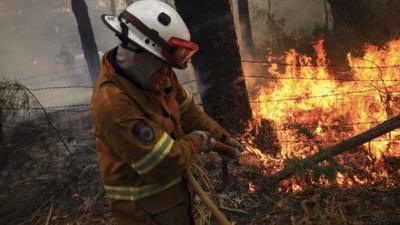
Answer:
(236, 146)
(207, 141)
(234, 143)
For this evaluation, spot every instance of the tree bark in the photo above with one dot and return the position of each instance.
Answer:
(269, 9)
(113, 8)
(245, 28)
(218, 63)
(2, 147)
(361, 18)
(340, 148)
(88, 42)
(326, 12)
(128, 2)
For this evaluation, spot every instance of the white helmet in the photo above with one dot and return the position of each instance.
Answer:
(156, 27)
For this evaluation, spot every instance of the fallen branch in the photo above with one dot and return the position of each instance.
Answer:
(351, 143)
(50, 214)
(234, 210)
(35, 214)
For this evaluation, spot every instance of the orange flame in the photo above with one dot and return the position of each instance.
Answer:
(312, 107)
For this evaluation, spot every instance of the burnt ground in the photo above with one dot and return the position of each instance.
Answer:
(42, 183)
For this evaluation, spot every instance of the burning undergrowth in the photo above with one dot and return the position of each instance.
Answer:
(310, 107)
(307, 105)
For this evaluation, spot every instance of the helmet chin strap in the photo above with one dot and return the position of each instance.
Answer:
(125, 41)
(123, 36)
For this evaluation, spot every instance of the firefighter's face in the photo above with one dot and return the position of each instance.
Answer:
(159, 79)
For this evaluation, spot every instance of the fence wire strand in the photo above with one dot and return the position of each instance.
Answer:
(316, 66)
(81, 108)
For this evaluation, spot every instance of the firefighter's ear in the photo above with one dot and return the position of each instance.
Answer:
(144, 132)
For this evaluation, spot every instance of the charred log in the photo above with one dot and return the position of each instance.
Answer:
(337, 149)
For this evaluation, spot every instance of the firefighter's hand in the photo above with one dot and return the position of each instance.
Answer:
(207, 141)
(234, 143)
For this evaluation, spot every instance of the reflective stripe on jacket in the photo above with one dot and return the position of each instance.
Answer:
(136, 193)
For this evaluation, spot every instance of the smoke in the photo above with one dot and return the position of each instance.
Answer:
(300, 14)
(40, 47)
(40, 44)
(291, 17)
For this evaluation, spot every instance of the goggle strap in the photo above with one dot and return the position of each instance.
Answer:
(153, 35)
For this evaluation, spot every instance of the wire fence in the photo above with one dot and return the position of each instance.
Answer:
(292, 98)
(262, 62)
(50, 107)
(61, 87)
(306, 78)
(69, 76)
(321, 79)
(246, 76)
(82, 66)
(83, 108)
(283, 99)
(50, 73)
(352, 93)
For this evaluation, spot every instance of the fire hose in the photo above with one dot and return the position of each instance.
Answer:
(225, 150)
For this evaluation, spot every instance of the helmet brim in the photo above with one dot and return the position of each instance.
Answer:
(112, 22)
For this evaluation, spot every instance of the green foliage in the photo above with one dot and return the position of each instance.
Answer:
(299, 165)
(329, 171)
(302, 166)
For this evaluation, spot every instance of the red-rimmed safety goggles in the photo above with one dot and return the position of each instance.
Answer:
(177, 51)
(180, 51)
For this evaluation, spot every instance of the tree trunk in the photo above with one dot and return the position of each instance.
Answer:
(113, 8)
(360, 18)
(245, 28)
(217, 64)
(2, 149)
(326, 12)
(269, 9)
(88, 42)
(128, 2)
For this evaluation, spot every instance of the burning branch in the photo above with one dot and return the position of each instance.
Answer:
(351, 143)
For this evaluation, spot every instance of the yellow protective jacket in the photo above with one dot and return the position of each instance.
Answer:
(144, 142)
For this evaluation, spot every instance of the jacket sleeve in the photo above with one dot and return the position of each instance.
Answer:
(144, 145)
(194, 118)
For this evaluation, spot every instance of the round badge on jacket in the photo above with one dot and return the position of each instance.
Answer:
(144, 132)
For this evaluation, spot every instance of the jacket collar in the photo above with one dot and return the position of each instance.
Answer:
(111, 72)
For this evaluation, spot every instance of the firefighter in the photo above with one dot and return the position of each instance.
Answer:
(148, 128)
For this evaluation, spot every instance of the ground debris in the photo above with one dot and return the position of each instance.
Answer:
(44, 183)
